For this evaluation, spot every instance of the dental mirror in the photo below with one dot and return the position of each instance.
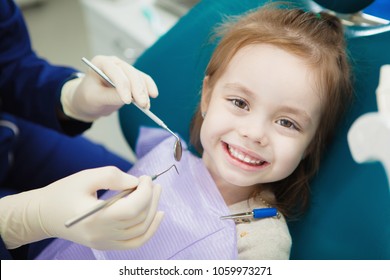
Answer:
(177, 147)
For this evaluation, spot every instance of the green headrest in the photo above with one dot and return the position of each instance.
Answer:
(345, 6)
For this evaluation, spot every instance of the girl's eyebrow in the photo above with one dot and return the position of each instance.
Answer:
(239, 87)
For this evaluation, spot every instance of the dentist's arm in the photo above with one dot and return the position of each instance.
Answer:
(41, 213)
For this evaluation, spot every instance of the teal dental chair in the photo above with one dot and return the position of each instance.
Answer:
(350, 213)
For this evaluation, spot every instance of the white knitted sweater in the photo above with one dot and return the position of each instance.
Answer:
(262, 239)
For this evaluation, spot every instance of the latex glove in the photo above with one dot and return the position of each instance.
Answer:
(41, 213)
(90, 97)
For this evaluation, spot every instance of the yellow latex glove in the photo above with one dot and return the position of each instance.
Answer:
(41, 213)
(90, 97)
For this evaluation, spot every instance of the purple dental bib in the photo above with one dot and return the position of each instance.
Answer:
(191, 227)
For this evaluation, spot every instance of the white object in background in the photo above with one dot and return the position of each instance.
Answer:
(369, 135)
(383, 91)
(124, 28)
(149, 12)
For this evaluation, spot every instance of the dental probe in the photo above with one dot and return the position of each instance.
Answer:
(105, 203)
(258, 213)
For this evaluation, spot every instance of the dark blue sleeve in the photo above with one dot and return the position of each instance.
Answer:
(4, 253)
(29, 85)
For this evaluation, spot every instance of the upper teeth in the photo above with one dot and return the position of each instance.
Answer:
(242, 157)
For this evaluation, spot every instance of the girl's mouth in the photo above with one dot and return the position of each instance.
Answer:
(243, 157)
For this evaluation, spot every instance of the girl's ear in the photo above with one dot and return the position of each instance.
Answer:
(206, 94)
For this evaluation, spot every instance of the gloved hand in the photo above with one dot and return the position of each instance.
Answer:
(41, 213)
(90, 97)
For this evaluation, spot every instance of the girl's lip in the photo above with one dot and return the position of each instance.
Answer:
(242, 164)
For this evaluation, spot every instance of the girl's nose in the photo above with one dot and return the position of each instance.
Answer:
(255, 131)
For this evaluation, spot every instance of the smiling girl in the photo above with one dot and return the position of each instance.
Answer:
(274, 91)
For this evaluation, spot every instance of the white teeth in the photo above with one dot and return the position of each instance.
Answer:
(244, 158)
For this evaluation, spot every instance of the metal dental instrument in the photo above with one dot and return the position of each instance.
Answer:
(258, 213)
(177, 146)
(111, 200)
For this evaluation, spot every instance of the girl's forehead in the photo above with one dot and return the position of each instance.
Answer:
(270, 66)
(269, 55)
(266, 71)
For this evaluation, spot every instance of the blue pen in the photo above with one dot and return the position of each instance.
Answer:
(258, 213)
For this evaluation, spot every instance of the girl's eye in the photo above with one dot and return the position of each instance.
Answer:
(240, 104)
(287, 123)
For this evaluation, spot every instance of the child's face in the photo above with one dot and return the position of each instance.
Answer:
(262, 115)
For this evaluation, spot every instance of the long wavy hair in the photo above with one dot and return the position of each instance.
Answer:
(319, 40)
